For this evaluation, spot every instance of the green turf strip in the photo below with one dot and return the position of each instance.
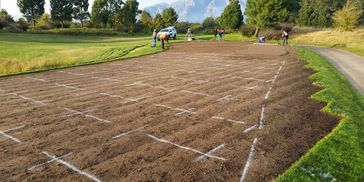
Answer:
(340, 155)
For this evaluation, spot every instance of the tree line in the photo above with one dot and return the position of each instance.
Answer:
(123, 15)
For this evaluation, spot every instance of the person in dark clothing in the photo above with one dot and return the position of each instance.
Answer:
(285, 37)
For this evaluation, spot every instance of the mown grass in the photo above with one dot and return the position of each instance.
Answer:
(349, 41)
(24, 52)
(340, 155)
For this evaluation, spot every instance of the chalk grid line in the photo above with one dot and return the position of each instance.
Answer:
(86, 115)
(68, 165)
(248, 161)
(3, 133)
(129, 132)
(187, 148)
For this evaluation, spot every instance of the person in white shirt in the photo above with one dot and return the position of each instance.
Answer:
(285, 37)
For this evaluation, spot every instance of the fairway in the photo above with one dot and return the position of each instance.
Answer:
(32, 52)
(197, 112)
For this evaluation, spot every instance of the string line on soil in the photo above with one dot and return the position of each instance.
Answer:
(186, 148)
(261, 120)
(69, 86)
(72, 167)
(37, 79)
(129, 132)
(250, 158)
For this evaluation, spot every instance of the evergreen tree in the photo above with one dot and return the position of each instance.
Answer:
(61, 11)
(293, 7)
(80, 10)
(130, 11)
(169, 16)
(31, 9)
(264, 13)
(232, 16)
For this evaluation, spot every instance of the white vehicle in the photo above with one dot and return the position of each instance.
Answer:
(170, 31)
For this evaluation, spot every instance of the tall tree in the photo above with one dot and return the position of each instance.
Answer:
(100, 14)
(61, 11)
(209, 23)
(80, 10)
(31, 9)
(169, 16)
(107, 12)
(5, 18)
(232, 16)
(130, 12)
(159, 21)
(147, 20)
(264, 13)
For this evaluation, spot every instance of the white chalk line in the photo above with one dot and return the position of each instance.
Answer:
(27, 98)
(245, 88)
(12, 129)
(124, 98)
(78, 113)
(72, 167)
(251, 128)
(192, 80)
(210, 152)
(48, 162)
(10, 137)
(230, 120)
(250, 158)
(228, 98)
(129, 132)
(261, 120)
(87, 115)
(37, 79)
(196, 93)
(69, 86)
(148, 85)
(182, 111)
(186, 148)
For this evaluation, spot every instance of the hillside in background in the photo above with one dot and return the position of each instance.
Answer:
(193, 10)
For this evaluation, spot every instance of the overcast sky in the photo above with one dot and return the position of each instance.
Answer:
(12, 8)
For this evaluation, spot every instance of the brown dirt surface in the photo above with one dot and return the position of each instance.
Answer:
(180, 115)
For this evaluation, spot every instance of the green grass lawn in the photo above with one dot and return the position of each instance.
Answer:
(340, 155)
(33, 52)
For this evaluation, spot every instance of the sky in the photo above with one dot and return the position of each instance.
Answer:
(11, 7)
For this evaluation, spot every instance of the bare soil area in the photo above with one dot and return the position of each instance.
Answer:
(197, 112)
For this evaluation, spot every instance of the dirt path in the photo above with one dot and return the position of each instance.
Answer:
(351, 65)
(198, 112)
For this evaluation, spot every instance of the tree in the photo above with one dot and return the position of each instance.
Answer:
(130, 11)
(159, 21)
(23, 24)
(347, 19)
(80, 10)
(209, 23)
(147, 20)
(232, 16)
(293, 8)
(169, 16)
(44, 22)
(61, 11)
(31, 9)
(5, 19)
(100, 13)
(107, 12)
(264, 13)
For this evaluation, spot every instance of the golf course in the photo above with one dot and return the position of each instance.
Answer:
(160, 96)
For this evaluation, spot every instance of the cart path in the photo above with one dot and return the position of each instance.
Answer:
(351, 65)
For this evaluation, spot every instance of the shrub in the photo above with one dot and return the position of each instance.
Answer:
(12, 28)
(347, 19)
(247, 30)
